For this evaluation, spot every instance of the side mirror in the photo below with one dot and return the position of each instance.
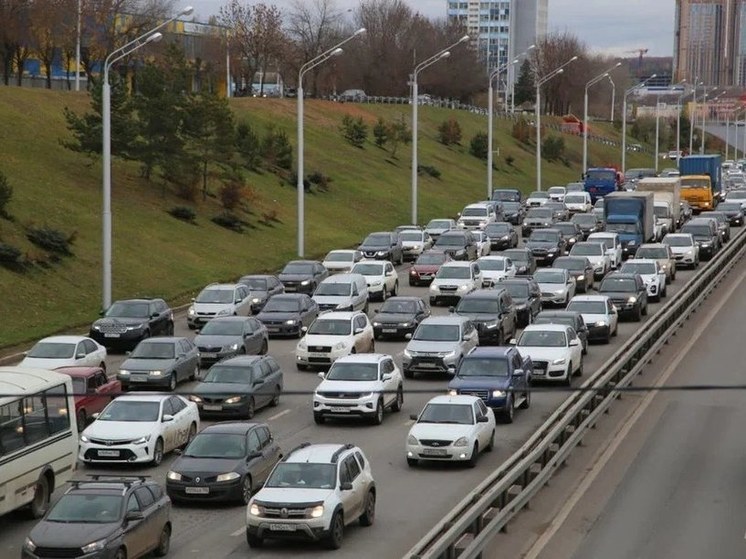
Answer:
(451, 309)
(128, 353)
(253, 456)
(154, 315)
(322, 376)
(346, 486)
(513, 341)
(134, 515)
(94, 415)
(413, 417)
(386, 377)
(101, 313)
(80, 355)
(359, 330)
(167, 418)
(574, 342)
(193, 299)
(482, 419)
(518, 373)
(408, 336)
(25, 353)
(197, 330)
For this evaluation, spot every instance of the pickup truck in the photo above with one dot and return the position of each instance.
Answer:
(93, 391)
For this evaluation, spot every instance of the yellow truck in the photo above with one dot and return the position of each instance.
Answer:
(697, 190)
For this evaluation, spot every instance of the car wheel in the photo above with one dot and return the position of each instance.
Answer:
(399, 402)
(254, 541)
(250, 409)
(568, 375)
(384, 293)
(579, 372)
(195, 372)
(336, 532)
(526, 401)
(395, 292)
(170, 329)
(164, 542)
(40, 502)
(638, 314)
(276, 399)
(377, 418)
(172, 382)
(491, 444)
(369, 513)
(645, 310)
(246, 490)
(265, 348)
(157, 453)
(372, 348)
(82, 420)
(509, 412)
(319, 419)
(412, 462)
(474, 456)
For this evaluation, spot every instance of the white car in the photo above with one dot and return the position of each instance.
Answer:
(454, 280)
(578, 202)
(557, 285)
(219, 299)
(685, 249)
(414, 242)
(362, 385)
(436, 227)
(599, 314)
(613, 246)
(652, 274)
(452, 429)
(65, 351)
(557, 193)
(536, 199)
(381, 277)
(554, 349)
(341, 261)
(139, 428)
(495, 269)
(333, 335)
(598, 255)
(483, 242)
(476, 216)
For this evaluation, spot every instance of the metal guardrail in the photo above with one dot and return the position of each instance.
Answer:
(473, 523)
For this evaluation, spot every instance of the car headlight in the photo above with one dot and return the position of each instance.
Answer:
(433, 287)
(224, 312)
(317, 511)
(233, 399)
(405, 324)
(632, 300)
(601, 323)
(411, 439)
(256, 300)
(689, 253)
(195, 399)
(453, 392)
(506, 238)
(156, 373)
(407, 354)
(173, 476)
(463, 287)
(230, 476)
(381, 253)
(303, 345)
(305, 282)
(412, 272)
(462, 441)
(448, 355)
(559, 361)
(340, 345)
(191, 312)
(498, 393)
(233, 347)
(525, 223)
(551, 251)
(124, 372)
(707, 245)
(141, 440)
(291, 321)
(377, 283)
(376, 323)
(254, 510)
(581, 277)
(84, 439)
(559, 291)
(664, 266)
(135, 327)
(491, 325)
(94, 546)
(30, 545)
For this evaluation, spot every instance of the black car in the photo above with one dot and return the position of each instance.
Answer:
(627, 292)
(302, 276)
(502, 235)
(733, 211)
(102, 517)
(287, 314)
(398, 317)
(383, 245)
(524, 260)
(588, 223)
(559, 210)
(513, 212)
(566, 318)
(571, 232)
(227, 461)
(125, 323)
(492, 312)
(459, 245)
(546, 245)
(526, 295)
(706, 235)
(723, 224)
(580, 268)
(262, 287)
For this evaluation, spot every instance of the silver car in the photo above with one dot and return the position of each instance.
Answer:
(557, 285)
(438, 345)
(161, 362)
(228, 336)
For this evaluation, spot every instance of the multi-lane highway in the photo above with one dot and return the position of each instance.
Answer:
(410, 501)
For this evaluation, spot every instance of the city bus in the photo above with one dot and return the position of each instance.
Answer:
(38, 437)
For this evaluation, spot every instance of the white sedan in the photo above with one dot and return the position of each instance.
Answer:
(333, 335)
(652, 274)
(65, 351)
(495, 269)
(554, 349)
(139, 428)
(380, 276)
(341, 261)
(453, 429)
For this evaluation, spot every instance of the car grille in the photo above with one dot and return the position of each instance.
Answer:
(390, 324)
(205, 314)
(209, 349)
(327, 306)
(369, 253)
(109, 442)
(273, 322)
(538, 251)
(547, 295)
(435, 442)
(284, 512)
(448, 288)
(483, 394)
(113, 327)
(202, 478)
(540, 365)
(213, 400)
(341, 395)
(679, 256)
(320, 348)
(58, 552)
(291, 285)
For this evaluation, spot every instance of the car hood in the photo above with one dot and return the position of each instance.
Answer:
(372, 279)
(205, 388)
(288, 495)
(43, 363)
(294, 277)
(448, 248)
(119, 430)
(338, 265)
(415, 244)
(350, 386)
(116, 321)
(393, 317)
(264, 315)
(135, 364)
(192, 465)
(552, 287)
(76, 534)
(618, 294)
(457, 281)
(494, 382)
(479, 317)
(320, 339)
(369, 247)
(211, 307)
(331, 299)
(681, 250)
(436, 230)
(256, 294)
(207, 340)
(440, 431)
(492, 274)
(428, 346)
(543, 353)
(591, 318)
(541, 244)
(426, 268)
(595, 259)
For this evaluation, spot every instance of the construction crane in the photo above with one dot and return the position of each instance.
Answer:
(641, 53)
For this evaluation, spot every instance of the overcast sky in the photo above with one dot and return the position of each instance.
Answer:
(609, 26)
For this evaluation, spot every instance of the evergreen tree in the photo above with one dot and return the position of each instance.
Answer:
(525, 88)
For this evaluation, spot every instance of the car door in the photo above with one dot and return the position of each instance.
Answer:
(508, 316)
(92, 357)
(271, 452)
(519, 383)
(390, 276)
(182, 419)
(320, 273)
(423, 311)
(259, 389)
(135, 532)
(612, 315)
(256, 462)
(252, 337)
(189, 360)
(576, 351)
(243, 294)
(483, 429)
(98, 392)
(274, 286)
(470, 337)
(358, 299)
(390, 384)
(356, 497)
(152, 531)
(169, 429)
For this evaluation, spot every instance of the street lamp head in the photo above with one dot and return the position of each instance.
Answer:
(574, 58)
(531, 47)
(337, 51)
(186, 11)
(464, 38)
(515, 61)
(154, 37)
(617, 64)
(561, 71)
(445, 54)
(359, 32)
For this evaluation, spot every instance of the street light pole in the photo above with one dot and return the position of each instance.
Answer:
(704, 120)
(657, 129)
(77, 49)
(604, 74)
(692, 115)
(613, 98)
(624, 118)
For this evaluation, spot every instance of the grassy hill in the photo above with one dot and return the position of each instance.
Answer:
(156, 254)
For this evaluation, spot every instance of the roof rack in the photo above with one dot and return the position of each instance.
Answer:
(107, 478)
(299, 447)
(340, 450)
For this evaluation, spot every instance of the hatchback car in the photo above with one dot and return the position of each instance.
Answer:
(398, 317)
(663, 254)
(492, 312)
(436, 227)
(459, 245)
(684, 248)
(526, 295)
(596, 253)
(502, 235)
(569, 318)
(706, 235)
(546, 245)
(580, 268)
(302, 276)
(415, 242)
(651, 273)
(557, 286)
(219, 299)
(524, 260)
(261, 288)
(287, 314)
(628, 293)
(342, 292)
(495, 269)
(381, 277)
(454, 280)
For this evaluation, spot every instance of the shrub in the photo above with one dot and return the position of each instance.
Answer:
(294, 181)
(479, 145)
(269, 217)
(429, 170)
(449, 132)
(552, 148)
(50, 239)
(521, 131)
(354, 130)
(231, 193)
(229, 221)
(320, 180)
(276, 149)
(6, 194)
(248, 145)
(509, 159)
(381, 132)
(183, 213)
(9, 255)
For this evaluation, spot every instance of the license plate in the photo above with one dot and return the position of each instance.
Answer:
(273, 329)
(282, 527)
(212, 408)
(109, 453)
(339, 410)
(197, 490)
(317, 354)
(111, 335)
(208, 354)
(428, 365)
(389, 330)
(425, 276)
(434, 451)
(138, 379)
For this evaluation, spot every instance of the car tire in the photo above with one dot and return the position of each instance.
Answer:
(491, 444)
(637, 317)
(42, 492)
(276, 399)
(474, 456)
(579, 371)
(246, 490)
(254, 541)
(190, 435)
(170, 329)
(319, 419)
(172, 381)
(377, 418)
(195, 372)
(645, 310)
(265, 348)
(395, 291)
(336, 532)
(384, 293)
(399, 402)
(526, 401)
(82, 419)
(164, 542)
(568, 375)
(508, 414)
(412, 462)
(369, 512)
(250, 409)
(157, 453)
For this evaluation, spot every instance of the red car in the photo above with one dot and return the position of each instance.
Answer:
(93, 391)
(427, 265)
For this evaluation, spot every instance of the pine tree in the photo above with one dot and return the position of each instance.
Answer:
(525, 88)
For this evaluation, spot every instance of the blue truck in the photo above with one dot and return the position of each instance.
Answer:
(631, 215)
(701, 181)
(600, 181)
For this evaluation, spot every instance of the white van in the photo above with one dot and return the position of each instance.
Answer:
(342, 292)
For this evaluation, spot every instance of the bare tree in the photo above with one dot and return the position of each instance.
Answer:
(560, 93)
(10, 34)
(51, 23)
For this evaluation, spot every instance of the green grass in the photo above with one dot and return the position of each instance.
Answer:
(155, 254)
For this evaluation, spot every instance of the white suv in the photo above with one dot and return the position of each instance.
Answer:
(219, 299)
(454, 280)
(313, 493)
(651, 273)
(359, 386)
(381, 277)
(476, 216)
(333, 335)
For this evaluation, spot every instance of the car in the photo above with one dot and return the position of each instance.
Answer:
(476, 216)
(733, 211)
(398, 317)
(706, 235)
(555, 351)
(103, 516)
(492, 312)
(598, 209)
(383, 245)
(513, 212)
(524, 260)
(738, 195)
(575, 187)
(302, 276)
(684, 248)
(128, 321)
(723, 224)
(93, 391)
(452, 429)
(526, 295)
(341, 261)
(557, 193)
(670, 171)
(426, 266)
(261, 288)
(160, 362)
(559, 211)
(546, 245)
(352, 96)
(381, 278)
(595, 252)
(361, 386)
(438, 345)
(537, 218)
(342, 292)
(139, 428)
(599, 314)
(287, 314)
(589, 223)
(334, 335)
(613, 246)
(685, 213)
(506, 195)
(65, 351)
(651, 273)
(502, 235)
(495, 269)
(557, 286)
(225, 462)
(228, 336)
(628, 293)
(219, 299)
(578, 202)
(580, 268)
(571, 233)
(436, 227)
(663, 254)
(459, 245)
(239, 386)
(537, 199)
(414, 243)
(336, 479)
(569, 318)
(399, 229)
(500, 376)
(454, 280)
(483, 242)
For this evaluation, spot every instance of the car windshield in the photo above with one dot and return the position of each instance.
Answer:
(625, 285)
(516, 290)
(517, 256)
(353, 371)
(497, 229)
(411, 236)
(453, 272)
(543, 236)
(131, 410)
(492, 264)
(587, 307)
(575, 264)
(217, 327)
(652, 252)
(483, 367)
(729, 206)
(282, 305)
(52, 350)
(590, 249)
(129, 310)
(83, 507)
(735, 195)
(632, 228)
(215, 296)
(505, 195)
(439, 224)
(154, 350)
(459, 414)
(642, 268)
(538, 195)
(474, 212)
(548, 275)
(399, 307)
(255, 284)
(331, 327)
(539, 213)
(478, 305)
(229, 375)
(562, 320)
(430, 258)
(437, 333)
(585, 219)
(298, 269)
(567, 229)
(450, 241)
(542, 338)
(697, 230)
(556, 190)
(677, 241)
(80, 386)
(574, 199)
(378, 239)
(368, 269)
(303, 475)
(717, 216)
(339, 257)
(334, 289)
(217, 445)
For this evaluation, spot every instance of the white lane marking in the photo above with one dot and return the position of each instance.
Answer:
(603, 460)
(238, 532)
(278, 415)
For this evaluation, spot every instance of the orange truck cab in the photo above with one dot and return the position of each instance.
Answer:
(697, 190)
